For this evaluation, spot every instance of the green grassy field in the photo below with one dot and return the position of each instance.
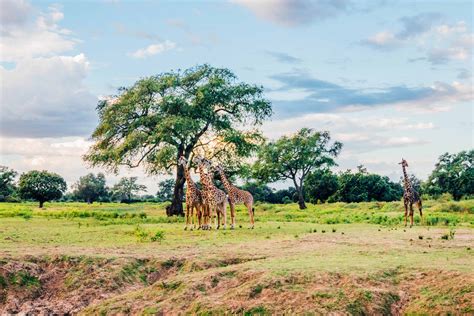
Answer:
(341, 258)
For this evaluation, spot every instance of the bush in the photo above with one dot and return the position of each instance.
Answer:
(158, 236)
(445, 197)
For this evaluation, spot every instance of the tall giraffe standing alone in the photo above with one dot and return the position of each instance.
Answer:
(237, 196)
(214, 198)
(410, 196)
(194, 199)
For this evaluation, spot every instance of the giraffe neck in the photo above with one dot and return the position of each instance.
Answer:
(187, 175)
(225, 181)
(204, 178)
(406, 180)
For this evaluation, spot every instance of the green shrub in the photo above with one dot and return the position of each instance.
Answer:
(158, 236)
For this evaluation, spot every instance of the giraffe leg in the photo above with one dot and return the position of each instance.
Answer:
(187, 217)
(250, 210)
(406, 213)
(411, 215)
(192, 221)
(215, 216)
(218, 212)
(420, 207)
(232, 215)
(224, 214)
(206, 216)
(199, 215)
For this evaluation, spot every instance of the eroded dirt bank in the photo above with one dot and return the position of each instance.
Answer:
(45, 285)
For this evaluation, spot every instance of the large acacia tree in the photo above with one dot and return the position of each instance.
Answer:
(163, 117)
(294, 157)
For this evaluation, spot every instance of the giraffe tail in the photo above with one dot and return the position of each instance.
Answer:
(253, 210)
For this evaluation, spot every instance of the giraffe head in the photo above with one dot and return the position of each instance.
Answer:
(404, 163)
(219, 168)
(182, 161)
(198, 160)
(207, 163)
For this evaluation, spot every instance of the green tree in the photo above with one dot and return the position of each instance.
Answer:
(160, 118)
(90, 188)
(362, 186)
(126, 189)
(41, 186)
(453, 173)
(260, 192)
(294, 157)
(320, 185)
(165, 190)
(7, 187)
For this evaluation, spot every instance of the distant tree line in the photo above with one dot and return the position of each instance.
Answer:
(453, 174)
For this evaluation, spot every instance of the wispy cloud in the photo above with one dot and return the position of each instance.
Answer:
(440, 43)
(194, 37)
(153, 49)
(125, 30)
(317, 95)
(292, 13)
(283, 57)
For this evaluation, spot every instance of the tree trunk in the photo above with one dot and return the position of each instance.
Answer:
(41, 204)
(176, 207)
(299, 190)
(301, 202)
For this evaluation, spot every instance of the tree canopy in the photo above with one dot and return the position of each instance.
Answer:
(165, 190)
(320, 185)
(41, 186)
(453, 173)
(90, 188)
(362, 186)
(160, 118)
(7, 187)
(126, 189)
(294, 157)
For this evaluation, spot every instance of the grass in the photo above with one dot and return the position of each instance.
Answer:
(351, 258)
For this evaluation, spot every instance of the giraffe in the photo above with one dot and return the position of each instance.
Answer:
(215, 198)
(193, 198)
(410, 196)
(237, 196)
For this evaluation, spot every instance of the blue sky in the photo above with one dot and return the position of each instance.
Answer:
(389, 79)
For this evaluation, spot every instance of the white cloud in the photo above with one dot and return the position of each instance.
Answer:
(382, 40)
(62, 155)
(13, 13)
(344, 125)
(46, 97)
(439, 43)
(153, 49)
(443, 97)
(34, 37)
(44, 94)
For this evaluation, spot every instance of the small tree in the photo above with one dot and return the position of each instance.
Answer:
(41, 186)
(7, 187)
(90, 188)
(294, 157)
(320, 185)
(165, 190)
(126, 188)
